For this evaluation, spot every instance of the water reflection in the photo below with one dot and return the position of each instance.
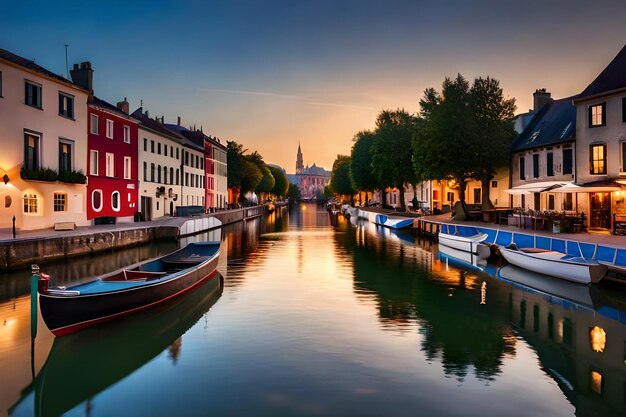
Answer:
(82, 365)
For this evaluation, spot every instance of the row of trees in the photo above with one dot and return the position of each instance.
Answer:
(249, 173)
(462, 133)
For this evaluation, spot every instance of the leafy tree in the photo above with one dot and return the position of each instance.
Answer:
(340, 180)
(267, 181)
(361, 162)
(281, 183)
(251, 176)
(234, 158)
(391, 150)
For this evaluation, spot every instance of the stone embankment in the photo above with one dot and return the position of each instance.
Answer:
(48, 245)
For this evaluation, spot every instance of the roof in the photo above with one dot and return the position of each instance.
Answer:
(612, 78)
(28, 64)
(106, 106)
(190, 138)
(315, 170)
(555, 123)
(154, 125)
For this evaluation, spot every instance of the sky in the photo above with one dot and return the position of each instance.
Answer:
(274, 74)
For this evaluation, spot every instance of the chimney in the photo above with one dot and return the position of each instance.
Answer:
(83, 75)
(541, 97)
(123, 106)
(147, 114)
(162, 120)
(178, 120)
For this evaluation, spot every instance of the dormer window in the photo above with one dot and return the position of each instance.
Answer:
(597, 115)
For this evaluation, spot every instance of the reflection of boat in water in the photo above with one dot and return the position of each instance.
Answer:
(557, 290)
(127, 291)
(82, 365)
(463, 238)
(461, 259)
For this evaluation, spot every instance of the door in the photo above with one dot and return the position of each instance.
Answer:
(600, 215)
(146, 208)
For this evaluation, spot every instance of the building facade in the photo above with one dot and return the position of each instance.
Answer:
(43, 132)
(311, 180)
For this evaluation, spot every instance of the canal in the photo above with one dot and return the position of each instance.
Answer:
(318, 316)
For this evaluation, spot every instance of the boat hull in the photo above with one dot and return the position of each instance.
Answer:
(66, 314)
(549, 264)
(469, 244)
(393, 222)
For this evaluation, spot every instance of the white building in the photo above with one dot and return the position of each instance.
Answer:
(43, 136)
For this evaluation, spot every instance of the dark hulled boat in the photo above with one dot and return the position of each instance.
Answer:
(141, 286)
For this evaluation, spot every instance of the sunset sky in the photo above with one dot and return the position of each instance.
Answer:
(270, 74)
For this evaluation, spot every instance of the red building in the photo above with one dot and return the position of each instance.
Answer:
(112, 185)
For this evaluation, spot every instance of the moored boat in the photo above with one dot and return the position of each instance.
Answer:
(126, 291)
(466, 239)
(393, 222)
(556, 264)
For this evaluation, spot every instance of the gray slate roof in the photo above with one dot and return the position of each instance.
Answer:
(612, 78)
(555, 123)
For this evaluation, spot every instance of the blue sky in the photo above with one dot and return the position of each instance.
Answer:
(270, 74)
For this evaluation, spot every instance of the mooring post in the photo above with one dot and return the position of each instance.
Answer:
(34, 285)
(13, 227)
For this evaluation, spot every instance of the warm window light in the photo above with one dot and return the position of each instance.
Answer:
(597, 337)
(5, 179)
(596, 382)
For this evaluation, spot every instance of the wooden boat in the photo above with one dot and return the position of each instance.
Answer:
(141, 286)
(393, 222)
(76, 369)
(556, 264)
(467, 240)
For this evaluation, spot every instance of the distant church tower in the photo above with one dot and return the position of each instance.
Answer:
(299, 161)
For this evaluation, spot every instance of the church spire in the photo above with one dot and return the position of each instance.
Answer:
(299, 160)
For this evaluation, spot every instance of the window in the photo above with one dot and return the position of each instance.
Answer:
(159, 173)
(164, 175)
(536, 165)
(494, 184)
(65, 156)
(186, 179)
(177, 175)
(567, 161)
(550, 201)
(126, 134)
(32, 149)
(152, 172)
(186, 158)
(177, 154)
(145, 171)
(7, 201)
(66, 105)
(109, 129)
(93, 162)
(96, 200)
(32, 94)
(623, 101)
(110, 165)
(550, 164)
(597, 159)
(159, 148)
(152, 146)
(477, 195)
(450, 197)
(171, 175)
(30, 203)
(115, 201)
(165, 150)
(597, 115)
(127, 167)
(522, 169)
(568, 201)
(60, 202)
(93, 124)
(145, 145)
(622, 153)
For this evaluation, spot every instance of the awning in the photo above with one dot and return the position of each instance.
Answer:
(536, 187)
(590, 187)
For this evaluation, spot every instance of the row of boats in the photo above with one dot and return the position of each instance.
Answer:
(548, 262)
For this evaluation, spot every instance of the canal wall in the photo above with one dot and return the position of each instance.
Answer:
(22, 252)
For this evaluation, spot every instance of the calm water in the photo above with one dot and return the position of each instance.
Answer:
(321, 318)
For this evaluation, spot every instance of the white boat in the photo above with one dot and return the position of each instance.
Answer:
(556, 264)
(471, 243)
(393, 222)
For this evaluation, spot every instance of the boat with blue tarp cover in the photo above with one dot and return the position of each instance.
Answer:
(126, 291)
(393, 222)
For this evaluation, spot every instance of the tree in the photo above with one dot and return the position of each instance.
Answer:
(463, 133)
(294, 192)
(391, 150)
(495, 133)
(251, 176)
(361, 162)
(267, 181)
(234, 153)
(340, 180)
(281, 183)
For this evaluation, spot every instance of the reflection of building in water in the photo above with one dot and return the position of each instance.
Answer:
(581, 346)
(311, 180)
